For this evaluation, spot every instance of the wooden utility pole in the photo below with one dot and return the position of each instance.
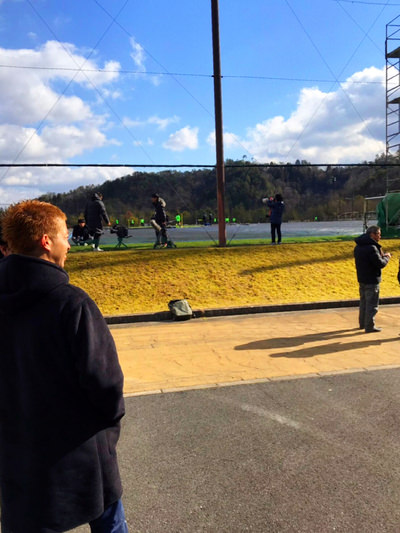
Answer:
(219, 141)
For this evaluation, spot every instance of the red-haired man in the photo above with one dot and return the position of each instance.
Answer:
(60, 387)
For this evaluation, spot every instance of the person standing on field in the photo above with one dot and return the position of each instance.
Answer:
(61, 386)
(95, 215)
(370, 260)
(159, 220)
(277, 207)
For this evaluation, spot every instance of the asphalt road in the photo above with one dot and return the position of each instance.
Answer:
(240, 231)
(301, 455)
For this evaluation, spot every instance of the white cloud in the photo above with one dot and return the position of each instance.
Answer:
(230, 139)
(148, 142)
(53, 144)
(137, 54)
(327, 126)
(12, 195)
(17, 184)
(129, 123)
(69, 141)
(28, 94)
(161, 123)
(111, 94)
(345, 125)
(43, 118)
(185, 138)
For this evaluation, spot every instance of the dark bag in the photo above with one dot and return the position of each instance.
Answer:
(180, 309)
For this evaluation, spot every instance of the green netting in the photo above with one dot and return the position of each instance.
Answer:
(388, 215)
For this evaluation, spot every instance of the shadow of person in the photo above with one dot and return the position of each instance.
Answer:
(335, 347)
(281, 342)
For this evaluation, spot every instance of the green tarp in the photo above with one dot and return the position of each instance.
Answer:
(388, 215)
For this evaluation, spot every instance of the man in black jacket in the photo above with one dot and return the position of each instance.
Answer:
(80, 233)
(95, 215)
(60, 387)
(159, 220)
(369, 260)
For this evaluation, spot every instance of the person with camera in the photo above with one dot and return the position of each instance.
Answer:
(277, 207)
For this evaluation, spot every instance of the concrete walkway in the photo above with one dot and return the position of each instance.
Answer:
(168, 356)
(279, 454)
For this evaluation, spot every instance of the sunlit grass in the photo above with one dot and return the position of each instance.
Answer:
(144, 280)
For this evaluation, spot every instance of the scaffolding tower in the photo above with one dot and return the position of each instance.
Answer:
(387, 209)
(392, 54)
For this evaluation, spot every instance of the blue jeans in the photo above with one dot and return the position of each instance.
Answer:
(111, 521)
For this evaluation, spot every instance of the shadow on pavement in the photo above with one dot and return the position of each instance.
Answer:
(280, 342)
(332, 348)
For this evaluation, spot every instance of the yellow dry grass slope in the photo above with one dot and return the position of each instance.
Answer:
(137, 281)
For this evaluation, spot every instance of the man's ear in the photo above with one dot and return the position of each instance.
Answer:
(45, 242)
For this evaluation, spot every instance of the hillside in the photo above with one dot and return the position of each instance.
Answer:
(309, 191)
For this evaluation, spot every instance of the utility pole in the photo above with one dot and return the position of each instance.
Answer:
(219, 142)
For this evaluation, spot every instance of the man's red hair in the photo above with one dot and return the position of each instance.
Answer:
(25, 223)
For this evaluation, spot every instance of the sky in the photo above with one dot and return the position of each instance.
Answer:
(130, 83)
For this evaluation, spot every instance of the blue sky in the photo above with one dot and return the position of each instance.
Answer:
(130, 83)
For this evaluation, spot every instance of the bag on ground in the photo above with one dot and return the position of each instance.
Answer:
(180, 309)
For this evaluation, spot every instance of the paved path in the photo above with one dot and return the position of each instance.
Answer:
(274, 453)
(208, 352)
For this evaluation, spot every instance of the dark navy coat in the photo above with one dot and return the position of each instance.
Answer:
(369, 260)
(160, 216)
(277, 209)
(80, 233)
(60, 401)
(96, 214)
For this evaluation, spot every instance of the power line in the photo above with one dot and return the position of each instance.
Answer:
(331, 72)
(77, 71)
(186, 74)
(156, 61)
(314, 80)
(227, 165)
(114, 21)
(362, 29)
(365, 3)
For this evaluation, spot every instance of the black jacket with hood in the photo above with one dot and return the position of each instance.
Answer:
(160, 216)
(369, 260)
(277, 207)
(96, 214)
(60, 401)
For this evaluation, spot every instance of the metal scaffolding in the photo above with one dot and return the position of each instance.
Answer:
(392, 54)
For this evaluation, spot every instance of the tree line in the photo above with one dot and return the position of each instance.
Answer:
(309, 192)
